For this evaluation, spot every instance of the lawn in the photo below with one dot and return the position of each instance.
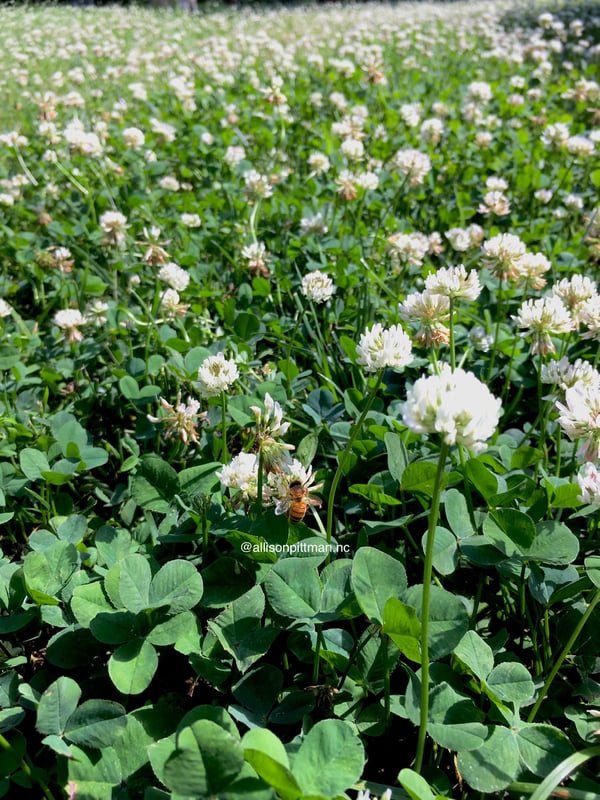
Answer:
(300, 402)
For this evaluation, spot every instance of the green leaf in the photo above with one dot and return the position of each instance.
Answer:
(543, 747)
(47, 572)
(206, 761)
(415, 785)
(397, 457)
(96, 724)
(330, 759)
(88, 601)
(33, 463)
(177, 584)
(132, 666)
(267, 755)
(238, 629)
(199, 480)
(511, 682)
(592, 568)
(495, 764)
(376, 576)
(448, 618)
(457, 514)
(419, 477)
(511, 531)
(445, 553)
(224, 581)
(482, 478)
(554, 544)
(401, 624)
(476, 654)
(73, 529)
(134, 579)
(155, 484)
(56, 705)
(293, 590)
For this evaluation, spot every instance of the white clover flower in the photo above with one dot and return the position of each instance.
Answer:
(277, 489)
(170, 302)
(501, 254)
(564, 374)
(216, 374)
(543, 195)
(241, 475)
(318, 163)
(454, 282)
(134, 138)
(589, 483)
(580, 146)
(314, 224)
(432, 130)
(317, 286)
(190, 220)
(382, 347)
(95, 312)
(580, 419)
(70, 320)
(352, 149)
(5, 308)
(411, 114)
(495, 203)
(555, 135)
(114, 225)
(408, 248)
(413, 164)
(480, 339)
(531, 268)
(174, 276)
(233, 155)
(431, 312)
(180, 419)
(454, 404)
(479, 92)
(169, 183)
(257, 185)
(541, 318)
(369, 181)
(588, 313)
(575, 291)
(163, 129)
(270, 421)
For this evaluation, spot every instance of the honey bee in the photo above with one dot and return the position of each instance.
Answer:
(300, 500)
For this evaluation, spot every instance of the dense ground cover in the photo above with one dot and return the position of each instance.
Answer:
(300, 407)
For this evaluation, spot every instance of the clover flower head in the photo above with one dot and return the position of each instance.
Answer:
(174, 276)
(542, 318)
(241, 475)
(382, 347)
(589, 483)
(180, 419)
(70, 320)
(454, 404)
(579, 417)
(216, 374)
(454, 282)
(317, 286)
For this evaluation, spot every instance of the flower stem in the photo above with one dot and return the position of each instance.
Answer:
(224, 451)
(345, 453)
(427, 574)
(564, 653)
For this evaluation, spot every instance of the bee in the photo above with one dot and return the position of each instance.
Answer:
(300, 500)
(325, 695)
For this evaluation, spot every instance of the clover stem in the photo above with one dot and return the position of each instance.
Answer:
(563, 654)
(425, 601)
(345, 453)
